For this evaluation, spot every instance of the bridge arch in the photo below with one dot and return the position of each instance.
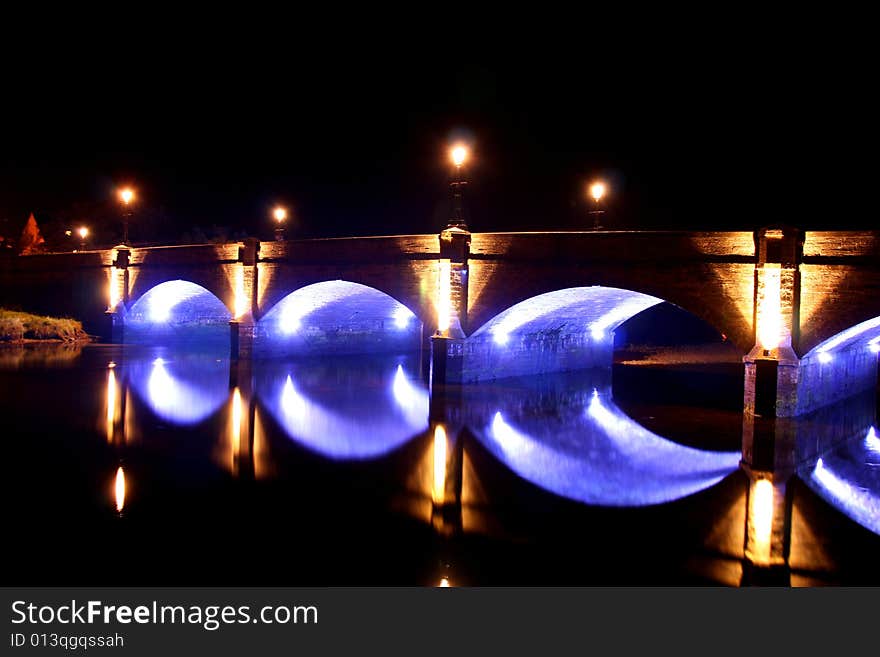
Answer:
(567, 329)
(599, 309)
(719, 294)
(337, 317)
(839, 367)
(178, 312)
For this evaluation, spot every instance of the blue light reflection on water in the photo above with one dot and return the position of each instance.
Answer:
(183, 390)
(594, 453)
(848, 478)
(357, 411)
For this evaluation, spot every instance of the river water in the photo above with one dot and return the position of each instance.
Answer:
(132, 465)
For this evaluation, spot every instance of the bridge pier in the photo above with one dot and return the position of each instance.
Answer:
(242, 419)
(769, 459)
(446, 425)
(242, 333)
(448, 461)
(118, 297)
(777, 382)
(768, 530)
(243, 326)
(116, 396)
(772, 366)
(447, 344)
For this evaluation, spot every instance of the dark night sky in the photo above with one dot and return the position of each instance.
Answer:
(359, 147)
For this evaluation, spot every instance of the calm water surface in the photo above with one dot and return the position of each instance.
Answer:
(138, 466)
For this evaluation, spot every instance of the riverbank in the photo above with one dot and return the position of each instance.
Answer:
(684, 355)
(19, 327)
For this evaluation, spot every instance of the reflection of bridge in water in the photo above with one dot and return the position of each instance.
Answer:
(799, 307)
(581, 446)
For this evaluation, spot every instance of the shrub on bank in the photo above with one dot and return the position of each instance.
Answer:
(11, 329)
(16, 326)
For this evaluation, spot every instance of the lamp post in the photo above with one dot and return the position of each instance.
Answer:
(126, 195)
(459, 154)
(279, 214)
(597, 192)
(83, 233)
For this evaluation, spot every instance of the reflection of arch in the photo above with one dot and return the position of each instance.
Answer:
(352, 422)
(849, 479)
(182, 391)
(601, 456)
(177, 311)
(337, 317)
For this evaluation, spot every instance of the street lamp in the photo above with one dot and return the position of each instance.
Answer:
(597, 191)
(126, 195)
(459, 154)
(279, 214)
(83, 233)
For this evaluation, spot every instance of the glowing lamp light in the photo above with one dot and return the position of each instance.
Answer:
(412, 400)
(83, 232)
(112, 395)
(825, 357)
(402, 317)
(770, 310)
(119, 489)
(459, 154)
(762, 518)
(291, 318)
(444, 297)
(235, 425)
(113, 288)
(872, 442)
(240, 300)
(160, 310)
(279, 214)
(126, 195)
(438, 493)
(444, 582)
(165, 297)
(597, 190)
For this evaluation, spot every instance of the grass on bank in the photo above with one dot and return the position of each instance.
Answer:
(17, 326)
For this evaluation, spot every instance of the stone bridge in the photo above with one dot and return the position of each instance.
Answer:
(802, 308)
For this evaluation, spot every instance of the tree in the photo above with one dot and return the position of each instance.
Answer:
(31, 241)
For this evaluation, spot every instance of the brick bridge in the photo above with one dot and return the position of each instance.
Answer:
(802, 308)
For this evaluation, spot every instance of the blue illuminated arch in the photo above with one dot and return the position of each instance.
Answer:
(863, 336)
(597, 310)
(337, 317)
(178, 311)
